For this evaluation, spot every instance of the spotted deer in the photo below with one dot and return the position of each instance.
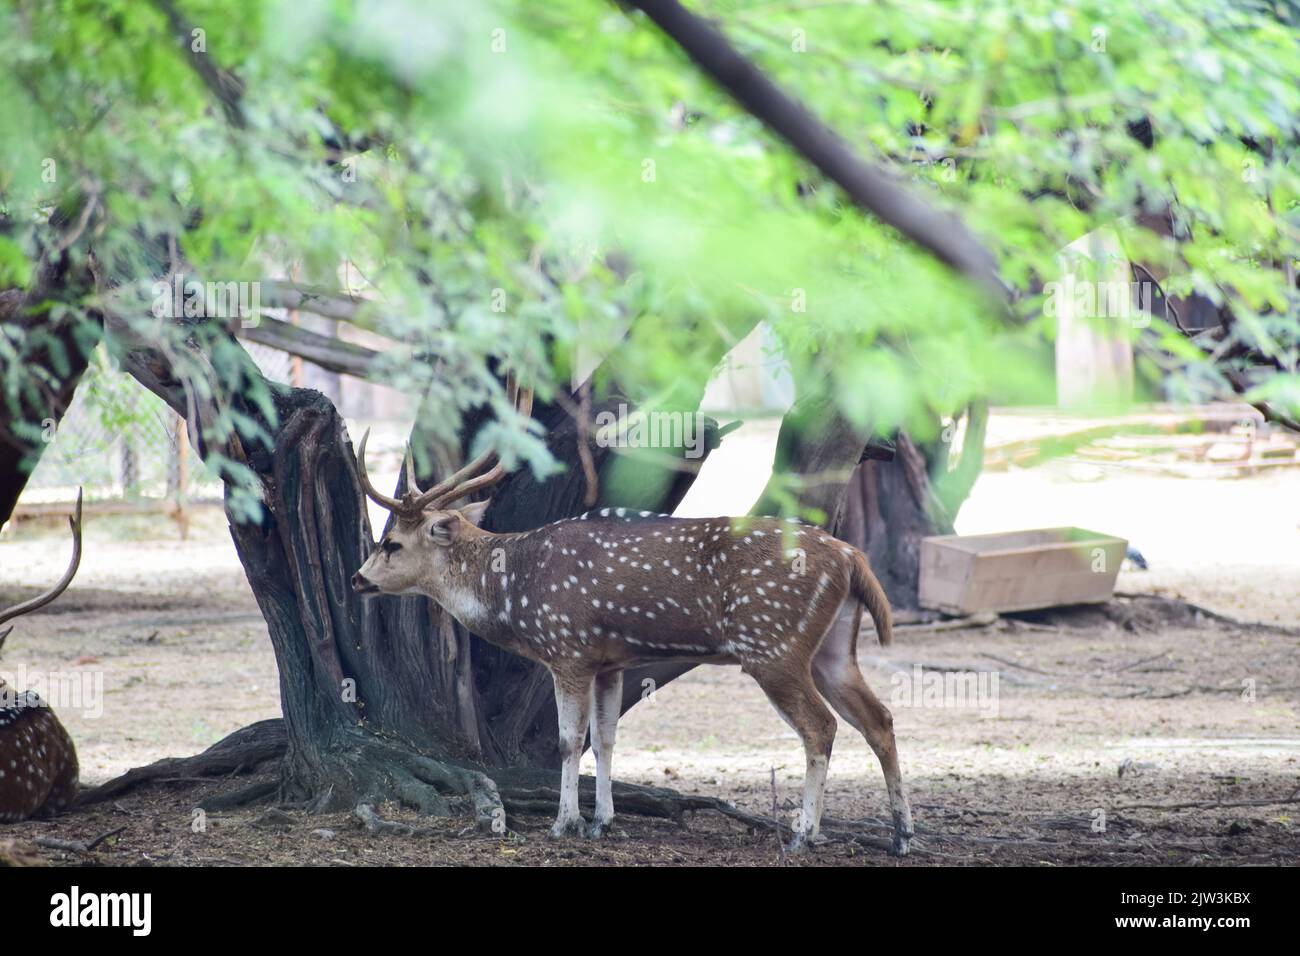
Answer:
(38, 762)
(592, 596)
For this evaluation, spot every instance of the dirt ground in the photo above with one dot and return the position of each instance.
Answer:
(1108, 738)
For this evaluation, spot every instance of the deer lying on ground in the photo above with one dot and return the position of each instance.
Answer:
(592, 596)
(38, 762)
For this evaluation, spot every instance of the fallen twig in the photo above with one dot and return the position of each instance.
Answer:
(1208, 804)
(76, 846)
(955, 624)
(776, 821)
(1138, 663)
(1023, 667)
(374, 823)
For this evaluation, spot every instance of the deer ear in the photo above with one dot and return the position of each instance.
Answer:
(439, 530)
(473, 513)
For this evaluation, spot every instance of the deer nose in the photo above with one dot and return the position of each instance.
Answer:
(363, 585)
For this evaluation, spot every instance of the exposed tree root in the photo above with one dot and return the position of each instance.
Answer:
(244, 796)
(1131, 611)
(243, 751)
(537, 792)
(1139, 612)
(76, 846)
(365, 771)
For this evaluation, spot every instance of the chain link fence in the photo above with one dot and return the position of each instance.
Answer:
(126, 449)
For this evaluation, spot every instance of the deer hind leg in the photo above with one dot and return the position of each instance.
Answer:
(606, 700)
(795, 698)
(573, 704)
(835, 671)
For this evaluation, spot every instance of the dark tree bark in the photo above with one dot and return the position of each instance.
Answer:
(818, 448)
(883, 508)
(55, 356)
(888, 507)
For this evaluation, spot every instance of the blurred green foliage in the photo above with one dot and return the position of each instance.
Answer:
(537, 176)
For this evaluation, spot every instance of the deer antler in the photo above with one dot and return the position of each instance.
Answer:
(456, 485)
(44, 599)
(392, 504)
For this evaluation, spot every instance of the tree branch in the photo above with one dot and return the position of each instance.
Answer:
(869, 186)
(323, 302)
(332, 354)
(1241, 387)
(224, 85)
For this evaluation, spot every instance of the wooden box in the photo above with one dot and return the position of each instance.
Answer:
(1018, 570)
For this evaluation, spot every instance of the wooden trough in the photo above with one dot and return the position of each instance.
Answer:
(1018, 570)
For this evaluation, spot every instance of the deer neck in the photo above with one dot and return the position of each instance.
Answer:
(474, 580)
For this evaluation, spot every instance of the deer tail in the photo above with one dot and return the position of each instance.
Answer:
(868, 591)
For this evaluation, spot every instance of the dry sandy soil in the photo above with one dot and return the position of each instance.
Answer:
(1113, 738)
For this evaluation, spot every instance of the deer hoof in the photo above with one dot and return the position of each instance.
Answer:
(599, 829)
(564, 829)
(903, 831)
(804, 842)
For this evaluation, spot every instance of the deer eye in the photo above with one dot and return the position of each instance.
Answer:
(390, 547)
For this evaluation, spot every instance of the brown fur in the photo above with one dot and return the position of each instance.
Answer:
(37, 758)
(626, 590)
(592, 596)
(38, 762)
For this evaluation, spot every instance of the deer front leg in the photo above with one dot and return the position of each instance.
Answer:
(606, 700)
(573, 703)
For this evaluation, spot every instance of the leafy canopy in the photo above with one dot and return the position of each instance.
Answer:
(507, 181)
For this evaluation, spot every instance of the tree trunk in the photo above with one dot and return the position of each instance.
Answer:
(367, 687)
(887, 510)
(884, 508)
(888, 507)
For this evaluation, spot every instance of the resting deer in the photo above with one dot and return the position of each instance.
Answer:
(38, 762)
(592, 596)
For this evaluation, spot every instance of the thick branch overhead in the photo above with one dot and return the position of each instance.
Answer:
(869, 186)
